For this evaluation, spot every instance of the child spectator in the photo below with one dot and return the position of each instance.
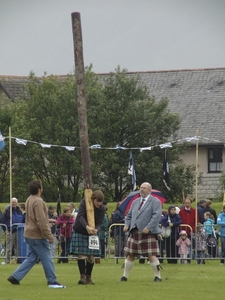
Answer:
(221, 223)
(65, 222)
(201, 244)
(183, 244)
(210, 232)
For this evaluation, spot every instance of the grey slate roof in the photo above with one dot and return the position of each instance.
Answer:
(197, 95)
(13, 85)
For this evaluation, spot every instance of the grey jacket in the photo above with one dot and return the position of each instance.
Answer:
(149, 215)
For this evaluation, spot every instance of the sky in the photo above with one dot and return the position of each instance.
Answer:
(143, 35)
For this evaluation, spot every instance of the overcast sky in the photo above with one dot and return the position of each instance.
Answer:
(139, 35)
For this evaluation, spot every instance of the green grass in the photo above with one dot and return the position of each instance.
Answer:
(180, 282)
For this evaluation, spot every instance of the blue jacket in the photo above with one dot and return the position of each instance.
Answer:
(17, 217)
(208, 226)
(221, 222)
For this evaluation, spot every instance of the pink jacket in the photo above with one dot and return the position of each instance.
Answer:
(183, 245)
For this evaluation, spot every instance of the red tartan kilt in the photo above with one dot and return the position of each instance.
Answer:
(142, 244)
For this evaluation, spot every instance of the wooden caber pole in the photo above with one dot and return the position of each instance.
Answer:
(82, 115)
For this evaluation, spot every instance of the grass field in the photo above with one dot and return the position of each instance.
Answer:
(180, 282)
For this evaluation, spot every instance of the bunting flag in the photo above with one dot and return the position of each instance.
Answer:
(2, 141)
(166, 179)
(166, 145)
(131, 171)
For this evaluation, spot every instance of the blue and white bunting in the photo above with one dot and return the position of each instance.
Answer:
(2, 141)
(21, 142)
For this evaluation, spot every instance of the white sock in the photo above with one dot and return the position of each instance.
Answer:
(127, 267)
(155, 269)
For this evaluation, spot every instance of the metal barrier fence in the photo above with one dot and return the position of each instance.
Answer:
(13, 248)
(204, 245)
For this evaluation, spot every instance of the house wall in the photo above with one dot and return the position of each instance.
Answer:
(210, 181)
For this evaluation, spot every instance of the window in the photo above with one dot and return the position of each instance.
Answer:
(215, 160)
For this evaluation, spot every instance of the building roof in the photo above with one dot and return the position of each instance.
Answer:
(198, 96)
(13, 85)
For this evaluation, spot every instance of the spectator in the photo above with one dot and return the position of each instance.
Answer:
(11, 234)
(210, 232)
(201, 244)
(73, 210)
(221, 223)
(188, 216)
(52, 216)
(201, 210)
(119, 234)
(172, 220)
(103, 232)
(65, 221)
(183, 244)
(210, 209)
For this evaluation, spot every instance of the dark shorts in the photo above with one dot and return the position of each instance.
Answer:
(79, 245)
(142, 244)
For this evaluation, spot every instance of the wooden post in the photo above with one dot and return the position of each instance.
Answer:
(82, 114)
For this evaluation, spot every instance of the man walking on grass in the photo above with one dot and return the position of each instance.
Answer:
(38, 236)
(142, 223)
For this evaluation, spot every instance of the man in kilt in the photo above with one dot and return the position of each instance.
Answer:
(142, 222)
(80, 245)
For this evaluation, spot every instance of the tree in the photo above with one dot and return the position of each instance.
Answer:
(48, 114)
(120, 112)
(132, 118)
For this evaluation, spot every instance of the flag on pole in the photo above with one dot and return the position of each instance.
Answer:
(2, 141)
(58, 208)
(166, 179)
(131, 171)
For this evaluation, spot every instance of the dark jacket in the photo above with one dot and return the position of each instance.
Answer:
(176, 220)
(201, 211)
(81, 219)
(118, 217)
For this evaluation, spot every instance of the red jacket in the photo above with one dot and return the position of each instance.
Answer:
(189, 218)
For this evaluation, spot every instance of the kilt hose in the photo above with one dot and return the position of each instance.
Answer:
(79, 245)
(142, 244)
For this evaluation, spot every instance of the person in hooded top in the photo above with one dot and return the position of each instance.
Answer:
(210, 232)
(173, 220)
(221, 223)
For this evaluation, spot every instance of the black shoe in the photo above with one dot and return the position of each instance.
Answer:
(123, 278)
(13, 280)
(157, 279)
(55, 285)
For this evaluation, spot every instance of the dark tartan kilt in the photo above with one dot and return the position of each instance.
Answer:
(142, 244)
(79, 245)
